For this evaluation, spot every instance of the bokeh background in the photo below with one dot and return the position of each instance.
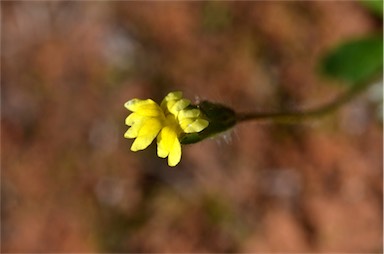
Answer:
(69, 182)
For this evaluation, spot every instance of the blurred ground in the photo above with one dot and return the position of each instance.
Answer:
(71, 184)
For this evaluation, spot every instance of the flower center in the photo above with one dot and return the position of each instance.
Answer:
(171, 121)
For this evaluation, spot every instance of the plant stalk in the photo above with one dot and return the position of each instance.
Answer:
(296, 116)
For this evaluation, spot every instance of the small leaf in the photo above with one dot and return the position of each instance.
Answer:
(356, 60)
(375, 6)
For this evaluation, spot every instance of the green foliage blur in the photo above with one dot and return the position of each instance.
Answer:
(375, 6)
(358, 59)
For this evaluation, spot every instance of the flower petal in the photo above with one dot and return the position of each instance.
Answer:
(162, 151)
(133, 118)
(190, 113)
(185, 123)
(133, 131)
(165, 141)
(174, 102)
(147, 133)
(144, 107)
(190, 125)
(179, 105)
(174, 156)
(177, 95)
(168, 145)
(167, 104)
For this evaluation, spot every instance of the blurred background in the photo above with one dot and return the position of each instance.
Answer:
(71, 184)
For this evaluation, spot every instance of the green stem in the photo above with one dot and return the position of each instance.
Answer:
(296, 116)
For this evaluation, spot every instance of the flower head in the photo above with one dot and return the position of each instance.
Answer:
(168, 122)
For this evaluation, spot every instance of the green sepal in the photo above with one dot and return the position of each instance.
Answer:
(220, 118)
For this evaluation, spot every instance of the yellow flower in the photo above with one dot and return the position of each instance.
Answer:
(167, 122)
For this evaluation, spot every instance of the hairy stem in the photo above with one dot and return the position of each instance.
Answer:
(296, 116)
